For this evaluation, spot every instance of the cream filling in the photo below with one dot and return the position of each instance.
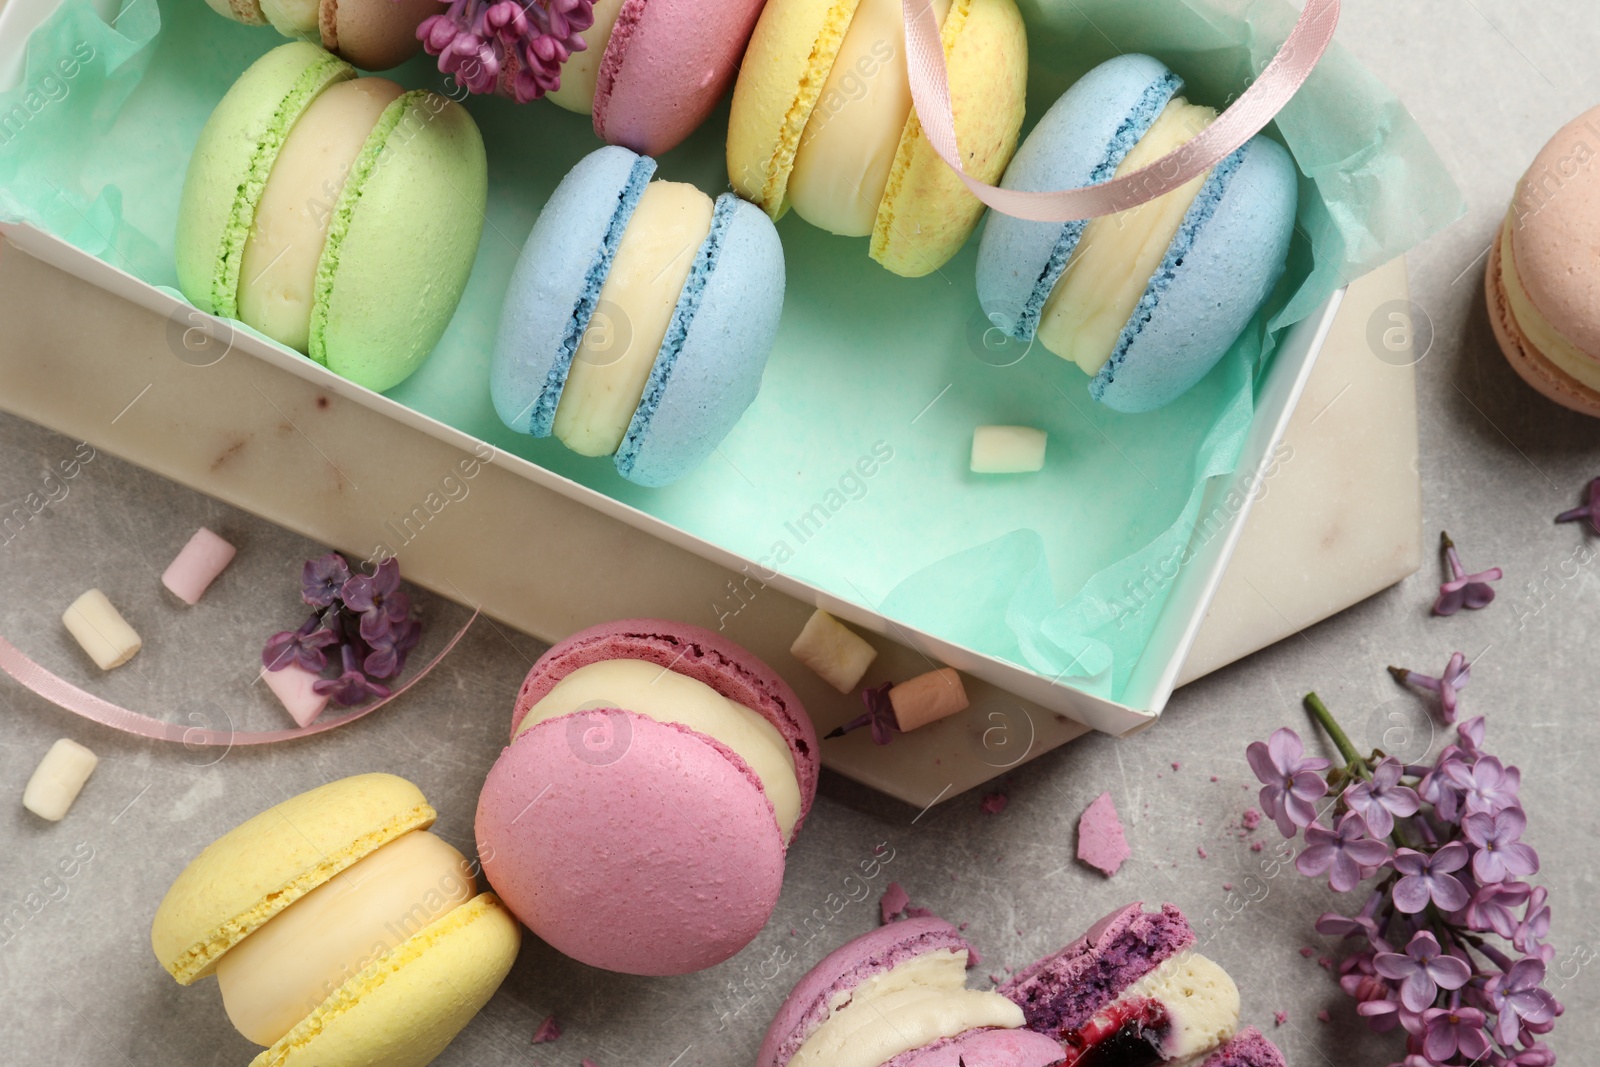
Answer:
(613, 362)
(1201, 1001)
(294, 18)
(666, 696)
(1535, 327)
(581, 72)
(1118, 255)
(909, 1006)
(842, 165)
(280, 973)
(278, 271)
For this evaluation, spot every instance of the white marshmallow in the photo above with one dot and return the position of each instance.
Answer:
(58, 779)
(833, 651)
(102, 632)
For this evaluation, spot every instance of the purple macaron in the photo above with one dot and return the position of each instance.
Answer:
(829, 987)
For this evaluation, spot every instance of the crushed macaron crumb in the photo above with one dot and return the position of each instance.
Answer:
(548, 1031)
(993, 803)
(1102, 844)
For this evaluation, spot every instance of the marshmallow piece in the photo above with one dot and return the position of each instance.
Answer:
(292, 686)
(834, 651)
(1007, 450)
(197, 566)
(58, 779)
(102, 632)
(928, 698)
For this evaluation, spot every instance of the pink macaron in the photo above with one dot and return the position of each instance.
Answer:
(1543, 281)
(639, 819)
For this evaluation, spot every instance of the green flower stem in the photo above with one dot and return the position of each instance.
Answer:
(1335, 733)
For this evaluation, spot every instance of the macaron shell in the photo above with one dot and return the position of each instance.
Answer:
(666, 67)
(654, 854)
(401, 243)
(697, 653)
(556, 284)
(710, 366)
(1531, 365)
(985, 1048)
(1080, 141)
(809, 1003)
(1223, 265)
(1248, 1048)
(786, 67)
(267, 863)
(927, 212)
(374, 34)
(405, 1007)
(230, 164)
(1559, 230)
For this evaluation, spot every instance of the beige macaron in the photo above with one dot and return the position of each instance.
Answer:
(372, 34)
(1543, 281)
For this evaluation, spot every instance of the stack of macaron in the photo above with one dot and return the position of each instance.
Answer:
(341, 932)
(1543, 275)
(1130, 993)
(822, 121)
(1148, 301)
(338, 215)
(639, 318)
(639, 819)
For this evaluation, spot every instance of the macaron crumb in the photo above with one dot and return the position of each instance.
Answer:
(894, 902)
(993, 803)
(1102, 844)
(1256, 846)
(1200, 850)
(1279, 1018)
(1323, 1016)
(548, 1031)
(1251, 819)
(1307, 951)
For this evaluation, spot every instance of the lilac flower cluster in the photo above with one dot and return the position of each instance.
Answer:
(1452, 943)
(366, 617)
(480, 41)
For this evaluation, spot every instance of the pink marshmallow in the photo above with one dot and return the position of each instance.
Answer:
(197, 566)
(292, 685)
(928, 698)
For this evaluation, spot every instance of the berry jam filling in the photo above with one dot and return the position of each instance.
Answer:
(1127, 1034)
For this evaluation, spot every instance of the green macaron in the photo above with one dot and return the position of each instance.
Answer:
(375, 211)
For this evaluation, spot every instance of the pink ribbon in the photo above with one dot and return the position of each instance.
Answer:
(1249, 115)
(63, 694)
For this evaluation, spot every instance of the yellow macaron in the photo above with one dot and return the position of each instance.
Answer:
(341, 931)
(823, 123)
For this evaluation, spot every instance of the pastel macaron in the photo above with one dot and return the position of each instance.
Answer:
(1543, 279)
(338, 215)
(639, 818)
(372, 34)
(1146, 302)
(639, 318)
(654, 70)
(897, 996)
(341, 932)
(823, 122)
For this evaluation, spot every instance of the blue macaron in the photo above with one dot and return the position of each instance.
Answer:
(1222, 266)
(708, 369)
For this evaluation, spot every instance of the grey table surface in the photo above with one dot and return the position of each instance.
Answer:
(1490, 80)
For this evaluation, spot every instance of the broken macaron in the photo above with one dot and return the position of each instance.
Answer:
(1130, 993)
